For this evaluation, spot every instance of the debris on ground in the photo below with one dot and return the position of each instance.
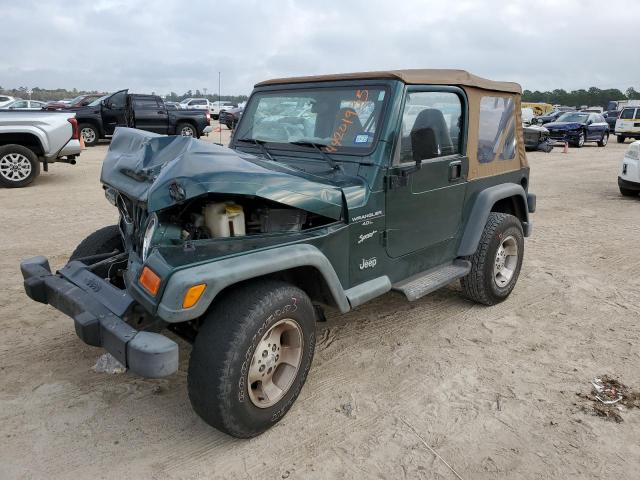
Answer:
(107, 363)
(609, 397)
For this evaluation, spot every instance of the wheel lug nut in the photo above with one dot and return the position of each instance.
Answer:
(261, 369)
(273, 349)
(264, 353)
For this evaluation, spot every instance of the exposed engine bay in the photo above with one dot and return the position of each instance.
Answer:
(212, 217)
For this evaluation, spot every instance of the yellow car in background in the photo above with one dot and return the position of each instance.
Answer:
(538, 108)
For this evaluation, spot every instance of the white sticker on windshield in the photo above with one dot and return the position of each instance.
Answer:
(381, 96)
(362, 138)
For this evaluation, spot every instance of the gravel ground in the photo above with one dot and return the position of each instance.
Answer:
(492, 390)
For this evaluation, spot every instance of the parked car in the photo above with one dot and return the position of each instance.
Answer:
(230, 117)
(172, 105)
(100, 118)
(195, 104)
(629, 177)
(611, 118)
(628, 124)
(239, 250)
(28, 138)
(536, 137)
(5, 99)
(24, 105)
(77, 102)
(220, 106)
(579, 127)
(550, 117)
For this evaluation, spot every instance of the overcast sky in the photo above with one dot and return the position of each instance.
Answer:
(166, 45)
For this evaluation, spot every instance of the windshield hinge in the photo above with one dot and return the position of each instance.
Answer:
(384, 237)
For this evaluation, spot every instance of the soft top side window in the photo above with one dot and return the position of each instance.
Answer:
(497, 129)
(431, 126)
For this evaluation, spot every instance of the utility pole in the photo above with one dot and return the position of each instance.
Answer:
(219, 99)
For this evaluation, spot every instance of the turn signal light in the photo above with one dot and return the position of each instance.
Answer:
(192, 295)
(149, 280)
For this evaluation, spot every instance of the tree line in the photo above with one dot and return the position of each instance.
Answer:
(46, 95)
(593, 97)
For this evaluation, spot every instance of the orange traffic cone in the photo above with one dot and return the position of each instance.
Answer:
(566, 147)
(218, 129)
(82, 146)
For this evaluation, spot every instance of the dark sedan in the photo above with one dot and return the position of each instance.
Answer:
(549, 117)
(230, 117)
(578, 128)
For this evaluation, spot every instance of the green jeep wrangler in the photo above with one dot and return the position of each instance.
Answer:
(334, 190)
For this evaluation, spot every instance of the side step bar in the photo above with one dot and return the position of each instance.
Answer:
(429, 281)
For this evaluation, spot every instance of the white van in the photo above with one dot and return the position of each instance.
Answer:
(629, 176)
(628, 124)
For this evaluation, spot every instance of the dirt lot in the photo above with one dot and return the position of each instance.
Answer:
(493, 390)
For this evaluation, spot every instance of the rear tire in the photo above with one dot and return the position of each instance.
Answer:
(621, 138)
(495, 266)
(89, 133)
(186, 130)
(226, 379)
(604, 140)
(19, 166)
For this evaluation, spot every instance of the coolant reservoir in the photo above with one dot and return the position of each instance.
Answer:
(224, 219)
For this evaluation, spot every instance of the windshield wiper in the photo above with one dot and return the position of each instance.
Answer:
(259, 143)
(318, 147)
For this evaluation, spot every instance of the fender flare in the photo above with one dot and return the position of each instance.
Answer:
(221, 274)
(483, 204)
(39, 134)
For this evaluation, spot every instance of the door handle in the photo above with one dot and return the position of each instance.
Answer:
(455, 170)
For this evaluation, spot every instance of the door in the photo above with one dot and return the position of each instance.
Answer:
(426, 183)
(597, 126)
(149, 113)
(113, 111)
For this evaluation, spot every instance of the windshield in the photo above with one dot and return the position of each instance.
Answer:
(97, 101)
(337, 119)
(77, 99)
(573, 117)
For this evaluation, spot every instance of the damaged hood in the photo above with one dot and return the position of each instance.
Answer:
(163, 171)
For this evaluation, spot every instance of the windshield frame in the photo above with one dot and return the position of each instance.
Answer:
(296, 88)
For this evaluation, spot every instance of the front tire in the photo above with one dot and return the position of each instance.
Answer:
(251, 357)
(604, 140)
(90, 134)
(19, 166)
(580, 142)
(495, 266)
(104, 240)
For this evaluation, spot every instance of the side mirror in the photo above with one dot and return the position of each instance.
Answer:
(589, 122)
(104, 103)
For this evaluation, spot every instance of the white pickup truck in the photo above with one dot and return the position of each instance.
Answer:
(216, 107)
(28, 138)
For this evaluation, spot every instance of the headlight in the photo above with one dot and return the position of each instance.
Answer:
(633, 152)
(152, 224)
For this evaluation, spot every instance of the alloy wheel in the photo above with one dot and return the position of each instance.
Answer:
(275, 363)
(506, 261)
(88, 134)
(15, 167)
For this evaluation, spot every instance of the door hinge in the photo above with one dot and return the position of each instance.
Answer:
(396, 181)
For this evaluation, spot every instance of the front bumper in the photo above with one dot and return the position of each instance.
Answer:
(562, 135)
(97, 308)
(628, 185)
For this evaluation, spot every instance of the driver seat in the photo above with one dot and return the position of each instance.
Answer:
(430, 136)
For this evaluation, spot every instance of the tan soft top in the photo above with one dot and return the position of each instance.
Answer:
(412, 77)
